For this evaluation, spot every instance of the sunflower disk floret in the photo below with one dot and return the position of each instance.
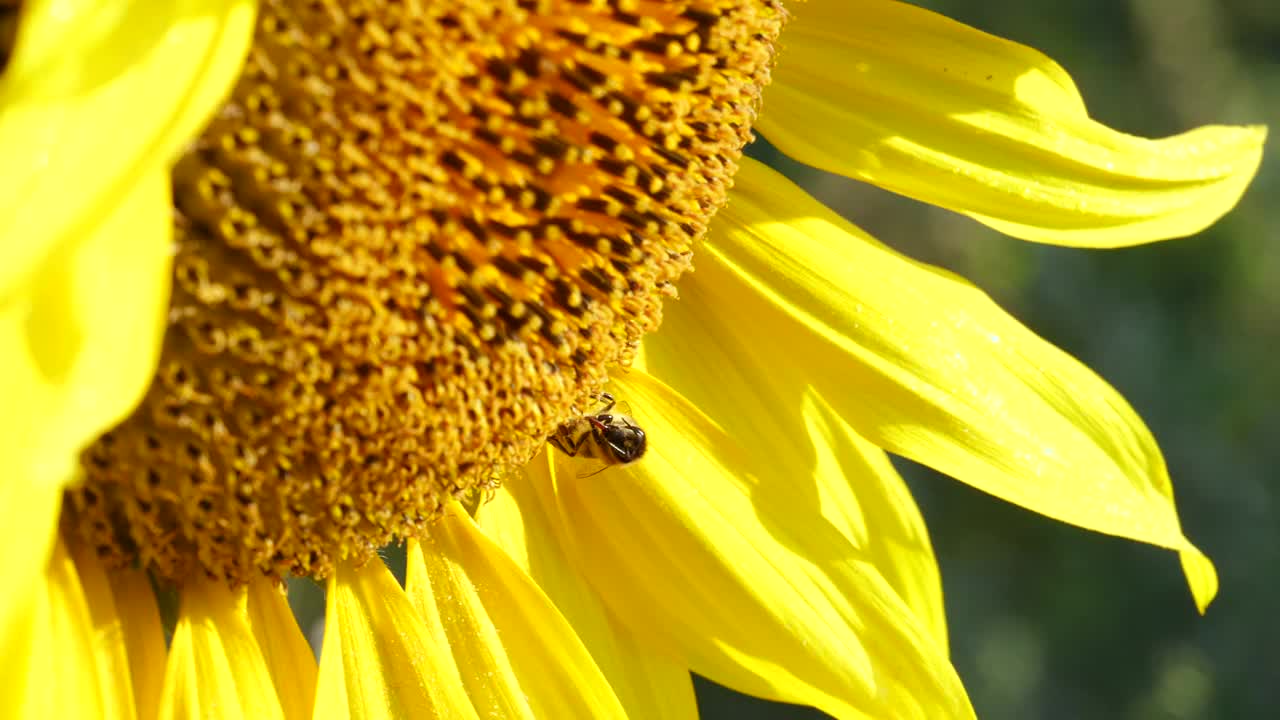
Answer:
(411, 242)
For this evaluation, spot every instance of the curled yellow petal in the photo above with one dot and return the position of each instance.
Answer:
(94, 102)
(924, 106)
(215, 667)
(648, 683)
(927, 366)
(97, 95)
(379, 661)
(517, 655)
(72, 363)
(78, 349)
(723, 557)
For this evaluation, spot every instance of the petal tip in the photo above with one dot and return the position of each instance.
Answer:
(1202, 578)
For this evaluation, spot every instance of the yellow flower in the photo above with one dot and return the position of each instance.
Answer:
(763, 541)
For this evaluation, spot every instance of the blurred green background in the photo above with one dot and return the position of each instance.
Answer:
(1048, 621)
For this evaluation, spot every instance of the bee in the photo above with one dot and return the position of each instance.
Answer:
(611, 437)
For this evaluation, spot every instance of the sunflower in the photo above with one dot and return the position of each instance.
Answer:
(413, 240)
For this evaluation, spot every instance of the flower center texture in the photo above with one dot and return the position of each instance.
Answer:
(413, 240)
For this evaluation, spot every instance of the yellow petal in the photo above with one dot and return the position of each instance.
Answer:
(648, 683)
(143, 637)
(379, 662)
(708, 550)
(109, 638)
(778, 416)
(97, 95)
(216, 669)
(285, 650)
(927, 366)
(94, 103)
(941, 112)
(879, 512)
(52, 665)
(28, 526)
(517, 655)
(79, 348)
(70, 364)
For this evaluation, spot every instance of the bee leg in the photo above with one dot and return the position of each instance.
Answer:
(567, 445)
(609, 402)
(558, 443)
(575, 447)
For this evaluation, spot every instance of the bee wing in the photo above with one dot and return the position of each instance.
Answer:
(594, 468)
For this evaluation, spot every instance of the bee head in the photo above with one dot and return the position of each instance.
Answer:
(626, 442)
